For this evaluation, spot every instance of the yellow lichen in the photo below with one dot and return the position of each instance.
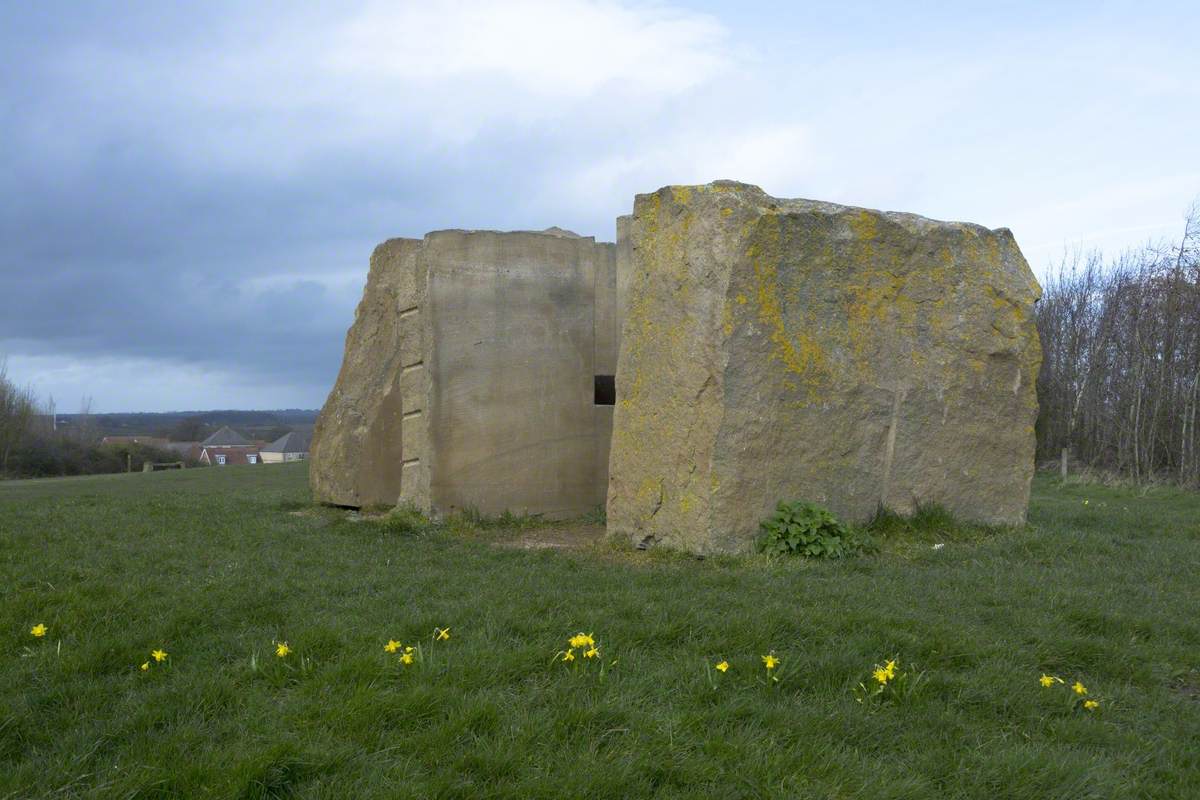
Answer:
(799, 352)
(864, 225)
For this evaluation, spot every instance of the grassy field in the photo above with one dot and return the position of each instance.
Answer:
(214, 566)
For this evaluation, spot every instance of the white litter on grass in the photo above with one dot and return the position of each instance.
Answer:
(939, 545)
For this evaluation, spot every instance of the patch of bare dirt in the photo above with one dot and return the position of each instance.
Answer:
(1188, 685)
(569, 536)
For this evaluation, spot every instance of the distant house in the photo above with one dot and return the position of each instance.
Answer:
(227, 437)
(228, 456)
(189, 451)
(289, 447)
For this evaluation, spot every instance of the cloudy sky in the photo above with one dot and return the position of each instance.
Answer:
(189, 192)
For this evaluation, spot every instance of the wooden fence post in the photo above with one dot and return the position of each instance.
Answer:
(1064, 463)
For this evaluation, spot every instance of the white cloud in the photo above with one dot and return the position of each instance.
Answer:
(342, 285)
(403, 79)
(775, 156)
(565, 48)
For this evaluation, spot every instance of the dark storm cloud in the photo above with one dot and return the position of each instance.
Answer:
(117, 244)
(157, 262)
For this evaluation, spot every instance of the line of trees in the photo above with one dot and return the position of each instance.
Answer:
(18, 413)
(1120, 379)
(32, 446)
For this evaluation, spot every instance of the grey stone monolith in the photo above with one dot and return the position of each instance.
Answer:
(789, 349)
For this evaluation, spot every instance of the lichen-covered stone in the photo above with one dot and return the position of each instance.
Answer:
(790, 349)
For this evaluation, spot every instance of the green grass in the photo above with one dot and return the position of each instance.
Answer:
(213, 565)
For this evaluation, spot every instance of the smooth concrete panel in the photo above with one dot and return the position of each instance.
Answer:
(513, 425)
(606, 330)
(468, 379)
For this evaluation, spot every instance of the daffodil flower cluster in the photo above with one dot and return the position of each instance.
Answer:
(585, 643)
(887, 681)
(407, 657)
(1077, 688)
(157, 656)
(770, 664)
(885, 673)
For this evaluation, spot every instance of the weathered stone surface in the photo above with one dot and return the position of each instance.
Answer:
(468, 377)
(790, 349)
(356, 458)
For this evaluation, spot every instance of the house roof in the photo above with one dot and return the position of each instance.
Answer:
(226, 437)
(293, 442)
(233, 455)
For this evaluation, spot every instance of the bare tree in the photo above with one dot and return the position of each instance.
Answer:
(1120, 380)
(84, 428)
(17, 409)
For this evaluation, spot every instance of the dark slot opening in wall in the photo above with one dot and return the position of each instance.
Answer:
(606, 390)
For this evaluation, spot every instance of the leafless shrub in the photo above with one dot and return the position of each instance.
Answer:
(17, 414)
(1120, 379)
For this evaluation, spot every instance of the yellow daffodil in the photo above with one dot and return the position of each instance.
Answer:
(1079, 688)
(890, 669)
(407, 658)
(592, 653)
(145, 666)
(392, 646)
(569, 655)
(770, 661)
(881, 675)
(282, 649)
(38, 630)
(1049, 680)
(408, 649)
(441, 634)
(1091, 705)
(159, 655)
(723, 666)
(582, 640)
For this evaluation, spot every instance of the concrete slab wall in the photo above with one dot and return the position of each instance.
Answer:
(515, 351)
(607, 346)
(468, 378)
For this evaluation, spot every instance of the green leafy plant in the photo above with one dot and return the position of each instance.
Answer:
(406, 520)
(807, 529)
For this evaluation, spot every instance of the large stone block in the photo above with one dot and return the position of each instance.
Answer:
(790, 349)
(356, 458)
(468, 377)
